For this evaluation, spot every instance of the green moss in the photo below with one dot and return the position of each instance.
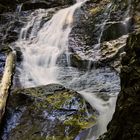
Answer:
(78, 121)
(57, 100)
(52, 113)
(95, 10)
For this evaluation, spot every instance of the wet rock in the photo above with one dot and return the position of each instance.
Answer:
(4, 50)
(10, 27)
(76, 61)
(30, 5)
(2, 8)
(111, 52)
(80, 63)
(47, 112)
(126, 119)
(117, 29)
(2, 63)
(97, 24)
(8, 5)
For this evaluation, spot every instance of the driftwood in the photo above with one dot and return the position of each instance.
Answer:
(6, 82)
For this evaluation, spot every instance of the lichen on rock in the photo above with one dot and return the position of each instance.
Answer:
(50, 111)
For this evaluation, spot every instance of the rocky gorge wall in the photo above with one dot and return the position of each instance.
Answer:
(85, 34)
(125, 124)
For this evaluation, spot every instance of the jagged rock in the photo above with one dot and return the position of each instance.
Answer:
(8, 5)
(111, 52)
(29, 5)
(97, 28)
(47, 112)
(125, 123)
(2, 64)
(2, 8)
(115, 30)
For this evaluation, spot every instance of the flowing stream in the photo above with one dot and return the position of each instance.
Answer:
(42, 47)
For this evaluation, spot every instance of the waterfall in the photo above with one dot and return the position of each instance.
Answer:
(127, 16)
(107, 12)
(96, 47)
(42, 47)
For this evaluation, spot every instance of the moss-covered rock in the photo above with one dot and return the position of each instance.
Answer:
(48, 112)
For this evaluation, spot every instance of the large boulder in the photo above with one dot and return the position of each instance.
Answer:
(47, 112)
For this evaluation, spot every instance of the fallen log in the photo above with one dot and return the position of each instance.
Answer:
(6, 82)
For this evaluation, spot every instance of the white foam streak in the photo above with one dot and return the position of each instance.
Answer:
(105, 109)
(41, 48)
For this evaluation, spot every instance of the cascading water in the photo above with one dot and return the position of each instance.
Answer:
(127, 17)
(41, 48)
(101, 27)
(107, 12)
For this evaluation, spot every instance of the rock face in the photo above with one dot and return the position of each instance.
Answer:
(47, 112)
(9, 5)
(13, 15)
(99, 32)
(29, 5)
(125, 124)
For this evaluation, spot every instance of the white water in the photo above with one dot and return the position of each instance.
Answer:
(42, 47)
(105, 108)
(127, 16)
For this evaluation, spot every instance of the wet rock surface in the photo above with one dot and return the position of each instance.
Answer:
(125, 122)
(2, 63)
(96, 22)
(98, 25)
(9, 5)
(47, 112)
(30, 5)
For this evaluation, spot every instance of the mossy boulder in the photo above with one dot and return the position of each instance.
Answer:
(47, 112)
